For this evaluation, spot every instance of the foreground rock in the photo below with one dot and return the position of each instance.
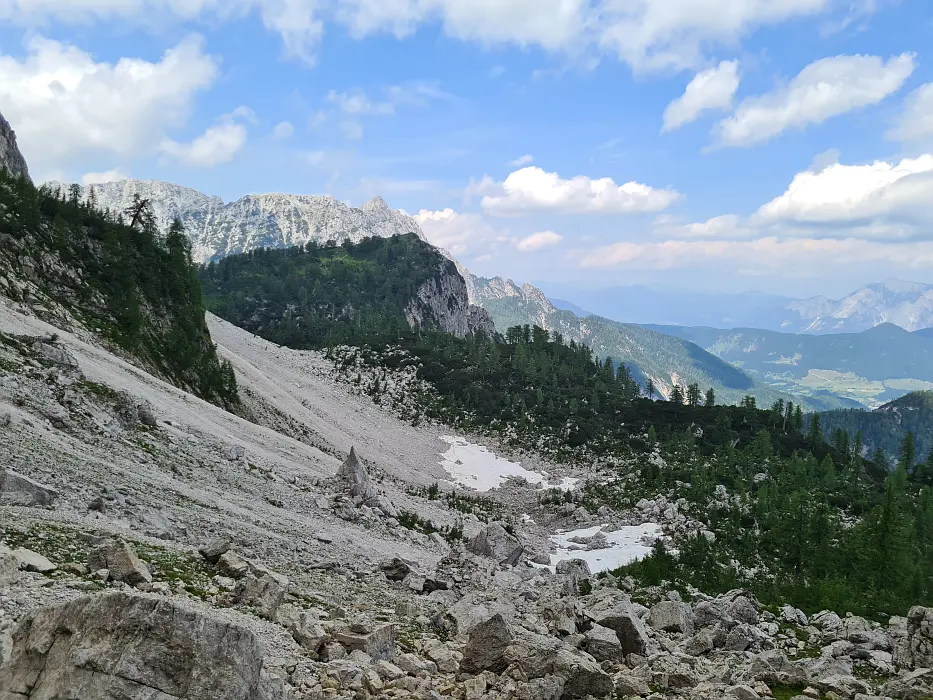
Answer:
(120, 562)
(495, 542)
(354, 474)
(119, 646)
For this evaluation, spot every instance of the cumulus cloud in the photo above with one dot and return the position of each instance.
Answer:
(465, 234)
(824, 89)
(65, 106)
(537, 241)
(711, 89)
(647, 34)
(916, 122)
(532, 190)
(218, 144)
(283, 130)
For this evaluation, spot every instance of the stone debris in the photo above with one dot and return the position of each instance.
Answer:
(17, 489)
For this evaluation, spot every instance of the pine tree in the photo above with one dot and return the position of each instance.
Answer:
(815, 434)
(710, 398)
(908, 456)
(677, 395)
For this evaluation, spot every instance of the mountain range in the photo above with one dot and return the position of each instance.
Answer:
(274, 220)
(906, 304)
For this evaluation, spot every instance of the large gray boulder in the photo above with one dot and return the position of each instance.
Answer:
(356, 477)
(618, 615)
(495, 542)
(20, 490)
(119, 646)
(262, 591)
(672, 616)
(916, 685)
(120, 560)
(914, 646)
(486, 649)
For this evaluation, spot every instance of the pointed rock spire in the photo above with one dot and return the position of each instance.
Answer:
(353, 472)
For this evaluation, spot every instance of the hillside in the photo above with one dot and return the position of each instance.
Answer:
(133, 287)
(885, 427)
(661, 357)
(272, 220)
(311, 296)
(870, 367)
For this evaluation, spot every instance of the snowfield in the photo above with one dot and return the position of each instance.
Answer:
(627, 544)
(475, 467)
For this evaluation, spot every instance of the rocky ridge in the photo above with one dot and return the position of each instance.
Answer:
(10, 157)
(275, 220)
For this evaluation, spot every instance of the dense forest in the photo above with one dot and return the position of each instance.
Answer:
(118, 275)
(885, 427)
(316, 296)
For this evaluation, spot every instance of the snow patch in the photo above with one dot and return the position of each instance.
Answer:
(475, 467)
(627, 544)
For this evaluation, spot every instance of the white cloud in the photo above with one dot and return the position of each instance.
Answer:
(647, 34)
(537, 241)
(106, 176)
(711, 89)
(916, 122)
(65, 107)
(841, 194)
(283, 130)
(218, 144)
(356, 103)
(462, 234)
(522, 161)
(824, 89)
(532, 189)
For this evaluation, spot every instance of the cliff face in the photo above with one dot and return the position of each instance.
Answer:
(10, 157)
(275, 220)
(443, 303)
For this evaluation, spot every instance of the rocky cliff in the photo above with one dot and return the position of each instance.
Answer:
(10, 157)
(275, 220)
(443, 303)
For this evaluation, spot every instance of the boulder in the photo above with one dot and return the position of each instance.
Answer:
(32, 561)
(672, 616)
(304, 627)
(55, 354)
(916, 685)
(546, 688)
(486, 648)
(119, 646)
(215, 549)
(16, 489)
(146, 414)
(234, 453)
(618, 615)
(396, 569)
(603, 644)
(914, 644)
(355, 476)
(233, 565)
(121, 561)
(495, 542)
(9, 567)
(264, 592)
(378, 644)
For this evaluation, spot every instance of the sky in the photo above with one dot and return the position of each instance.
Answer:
(718, 145)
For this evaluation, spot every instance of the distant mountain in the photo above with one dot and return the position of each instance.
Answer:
(875, 365)
(217, 229)
(925, 332)
(564, 305)
(906, 304)
(885, 427)
(664, 358)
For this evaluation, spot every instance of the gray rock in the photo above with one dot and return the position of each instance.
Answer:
(914, 644)
(10, 157)
(396, 569)
(486, 648)
(304, 627)
(55, 354)
(264, 592)
(233, 565)
(603, 644)
(121, 561)
(118, 646)
(355, 476)
(618, 615)
(743, 610)
(378, 644)
(17, 489)
(147, 415)
(672, 616)
(233, 453)
(916, 685)
(495, 542)
(215, 549)
(32, 561)
(9, 567)
(546, 688)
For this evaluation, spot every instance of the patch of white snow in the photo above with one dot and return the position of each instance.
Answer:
(475, 467)
(627, 544)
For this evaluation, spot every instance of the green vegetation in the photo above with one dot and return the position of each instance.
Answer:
(133, 285)
(311, 296)
(885, 428)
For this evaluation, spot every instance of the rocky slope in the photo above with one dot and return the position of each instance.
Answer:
(275, 220)
(905, 304)
(10, 157)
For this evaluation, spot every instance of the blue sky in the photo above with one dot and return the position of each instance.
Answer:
(723, 145)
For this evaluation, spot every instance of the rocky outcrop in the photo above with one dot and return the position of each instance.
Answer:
(128, 647)
(17, 489)
(10, 157)
(495, 542)
(120, 562)
(275, 220)
(355, 476)
(915, 646)
(443, 303)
